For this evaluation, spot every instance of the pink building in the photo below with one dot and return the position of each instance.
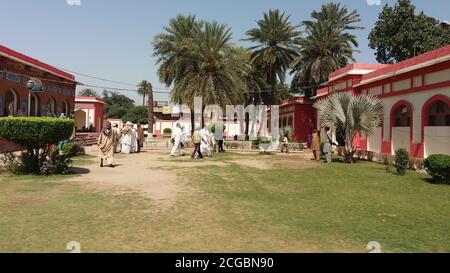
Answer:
(416, 98)
(89, 113)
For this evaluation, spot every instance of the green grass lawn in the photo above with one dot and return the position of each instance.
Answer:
(337, 208)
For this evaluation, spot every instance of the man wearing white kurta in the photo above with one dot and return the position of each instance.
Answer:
(176, 140)
(134, 144)
(126, 138)
(205, 141)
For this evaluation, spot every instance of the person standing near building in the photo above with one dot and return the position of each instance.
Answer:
(328, 147)
(134, 140)
(197, 140)
(106, 143)
(140, 137)
(315, 144)
(117, 141)
(285, 145)
(126, 138)
(176, 140)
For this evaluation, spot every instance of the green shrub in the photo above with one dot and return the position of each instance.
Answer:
(72, 149)
(12, 163)
(167, 131)
(57, 163)
(37, 135)
(438, 166)
(401, 161)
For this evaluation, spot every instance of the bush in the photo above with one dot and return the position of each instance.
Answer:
(57, 163)
(72, 149)
(401, 161)
(438, 166)
(137, 114)
(167, 131)
(37, 135)
(12, 163)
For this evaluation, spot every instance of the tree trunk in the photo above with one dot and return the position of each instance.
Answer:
(192, 122)
(143, 100)
(150, 111)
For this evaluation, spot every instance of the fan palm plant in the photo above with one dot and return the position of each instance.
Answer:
(353, 114)
(276, 47)
(327, 46)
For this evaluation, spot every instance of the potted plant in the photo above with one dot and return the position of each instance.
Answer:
(265, 144)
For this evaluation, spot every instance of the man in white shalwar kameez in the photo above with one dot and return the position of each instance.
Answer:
(206, 137)
(134, 143)
(126, 138)
(176, 140)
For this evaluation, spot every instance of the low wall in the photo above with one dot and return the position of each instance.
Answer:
(9, 147)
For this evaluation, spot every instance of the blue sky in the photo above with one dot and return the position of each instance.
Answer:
(112, 38)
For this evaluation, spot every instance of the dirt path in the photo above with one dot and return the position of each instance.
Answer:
(156, 176)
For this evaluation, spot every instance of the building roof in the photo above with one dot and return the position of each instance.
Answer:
(355, 69)
(445, 23)
(88, 99)
(19, 57)
(427, 59)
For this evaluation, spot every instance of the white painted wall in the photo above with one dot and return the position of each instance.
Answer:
(401, 138)
(374, 141)
(437, 140)
(437, 77)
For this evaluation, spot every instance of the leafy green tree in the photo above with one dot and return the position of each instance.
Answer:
(400, 33)
(116, 105)
(328, 46)
(87, 92)
(137, 114)
(276, 40)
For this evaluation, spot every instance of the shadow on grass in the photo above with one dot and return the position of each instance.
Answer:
(79, 170)
(430, 180)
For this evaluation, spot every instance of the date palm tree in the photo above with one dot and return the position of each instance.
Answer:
(143, 89)
(353, 114)
(276, 47)
(328, 46)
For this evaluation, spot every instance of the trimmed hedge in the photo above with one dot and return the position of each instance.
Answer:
(34, 132)
(401, 161)
(167, 131)
(438, 166)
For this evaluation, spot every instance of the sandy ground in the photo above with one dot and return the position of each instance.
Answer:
(156, 176)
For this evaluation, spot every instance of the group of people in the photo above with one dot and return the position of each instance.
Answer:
(126, 141)
(202, 140)
(327, 147)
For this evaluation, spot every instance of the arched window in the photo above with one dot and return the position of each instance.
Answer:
(439, 114)
(402, 117)
(51, 107)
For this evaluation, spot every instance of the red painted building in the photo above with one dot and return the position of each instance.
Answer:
(416, 98)
(298, 113)
(16, 69)
(89, 113)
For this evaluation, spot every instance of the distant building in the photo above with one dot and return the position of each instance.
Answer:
(416, 98)
(89, 114)
(57, 96)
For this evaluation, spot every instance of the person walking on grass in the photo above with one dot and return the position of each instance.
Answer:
(205, 145)
(176, 141)
(197, 140)
(106, 143)
(315, 144)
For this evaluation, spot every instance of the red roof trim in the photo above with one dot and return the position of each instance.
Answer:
(356, 66)
(429, 56)
(35, 62)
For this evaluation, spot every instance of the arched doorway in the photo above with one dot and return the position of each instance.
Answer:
(11, 103)
(80, 120)
(436, 125)
(401, 126)
(34, 108)
(65, 109)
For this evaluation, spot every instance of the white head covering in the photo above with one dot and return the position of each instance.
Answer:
(129, 124)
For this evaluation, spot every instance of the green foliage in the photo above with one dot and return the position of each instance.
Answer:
(438, 166)
(276, 46)
(144, 87)
(116, 105)
(401, 161)
(57, 163)
(137, 114)
(353, 113)
(328, 46)
(167, 131)
(215, 126)
(72, 149)
(35, 132)
(88, 93)
(400, 33)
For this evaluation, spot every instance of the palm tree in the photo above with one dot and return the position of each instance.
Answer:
(143, 90)
(353, 114)
(327, 46)
(276, 38)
